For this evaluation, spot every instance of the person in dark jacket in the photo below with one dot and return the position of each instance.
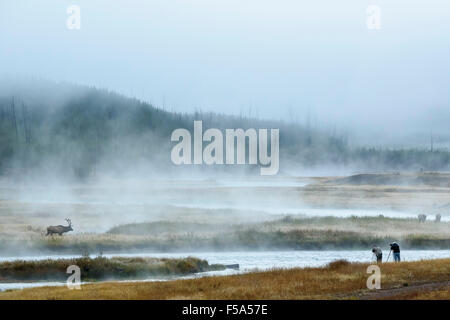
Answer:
(396, 251)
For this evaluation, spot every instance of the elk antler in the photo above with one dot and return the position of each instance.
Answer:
(69, 222)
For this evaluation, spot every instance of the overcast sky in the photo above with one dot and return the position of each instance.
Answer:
(275, 59)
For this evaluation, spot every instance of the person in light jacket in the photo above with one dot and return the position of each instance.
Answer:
(378, 253)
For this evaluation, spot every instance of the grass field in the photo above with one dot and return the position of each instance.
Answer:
(101, 226)
(289, 232)
(428, 279)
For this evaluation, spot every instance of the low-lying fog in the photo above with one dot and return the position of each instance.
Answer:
(100, 206)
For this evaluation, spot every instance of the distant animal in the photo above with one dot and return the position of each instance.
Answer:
(438, 218)
(422, 217)
(60, 229)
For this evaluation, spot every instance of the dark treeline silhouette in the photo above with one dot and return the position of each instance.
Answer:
(79, 131)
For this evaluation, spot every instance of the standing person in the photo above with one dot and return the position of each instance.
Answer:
(396, 250)
(378, 253)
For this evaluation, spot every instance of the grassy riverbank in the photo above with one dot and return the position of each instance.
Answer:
(427, 279)
(102, 268)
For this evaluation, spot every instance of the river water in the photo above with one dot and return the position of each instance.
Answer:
(249, 261)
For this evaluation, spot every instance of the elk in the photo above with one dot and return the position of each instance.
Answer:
(438, 218)
(60, 229)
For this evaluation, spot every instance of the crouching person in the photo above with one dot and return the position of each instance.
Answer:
(378, 253)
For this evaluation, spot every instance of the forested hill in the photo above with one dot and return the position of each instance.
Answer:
(80, 131)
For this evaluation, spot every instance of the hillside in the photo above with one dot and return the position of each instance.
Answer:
(70, 131)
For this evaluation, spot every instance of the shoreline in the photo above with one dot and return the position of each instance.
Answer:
(102, 268)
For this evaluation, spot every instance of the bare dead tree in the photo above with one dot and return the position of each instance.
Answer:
(13, 118)
(431, 141)
(26, 124)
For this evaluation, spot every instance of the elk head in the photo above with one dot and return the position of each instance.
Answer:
(69, 222)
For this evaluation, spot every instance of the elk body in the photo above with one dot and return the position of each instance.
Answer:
(60, 229)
